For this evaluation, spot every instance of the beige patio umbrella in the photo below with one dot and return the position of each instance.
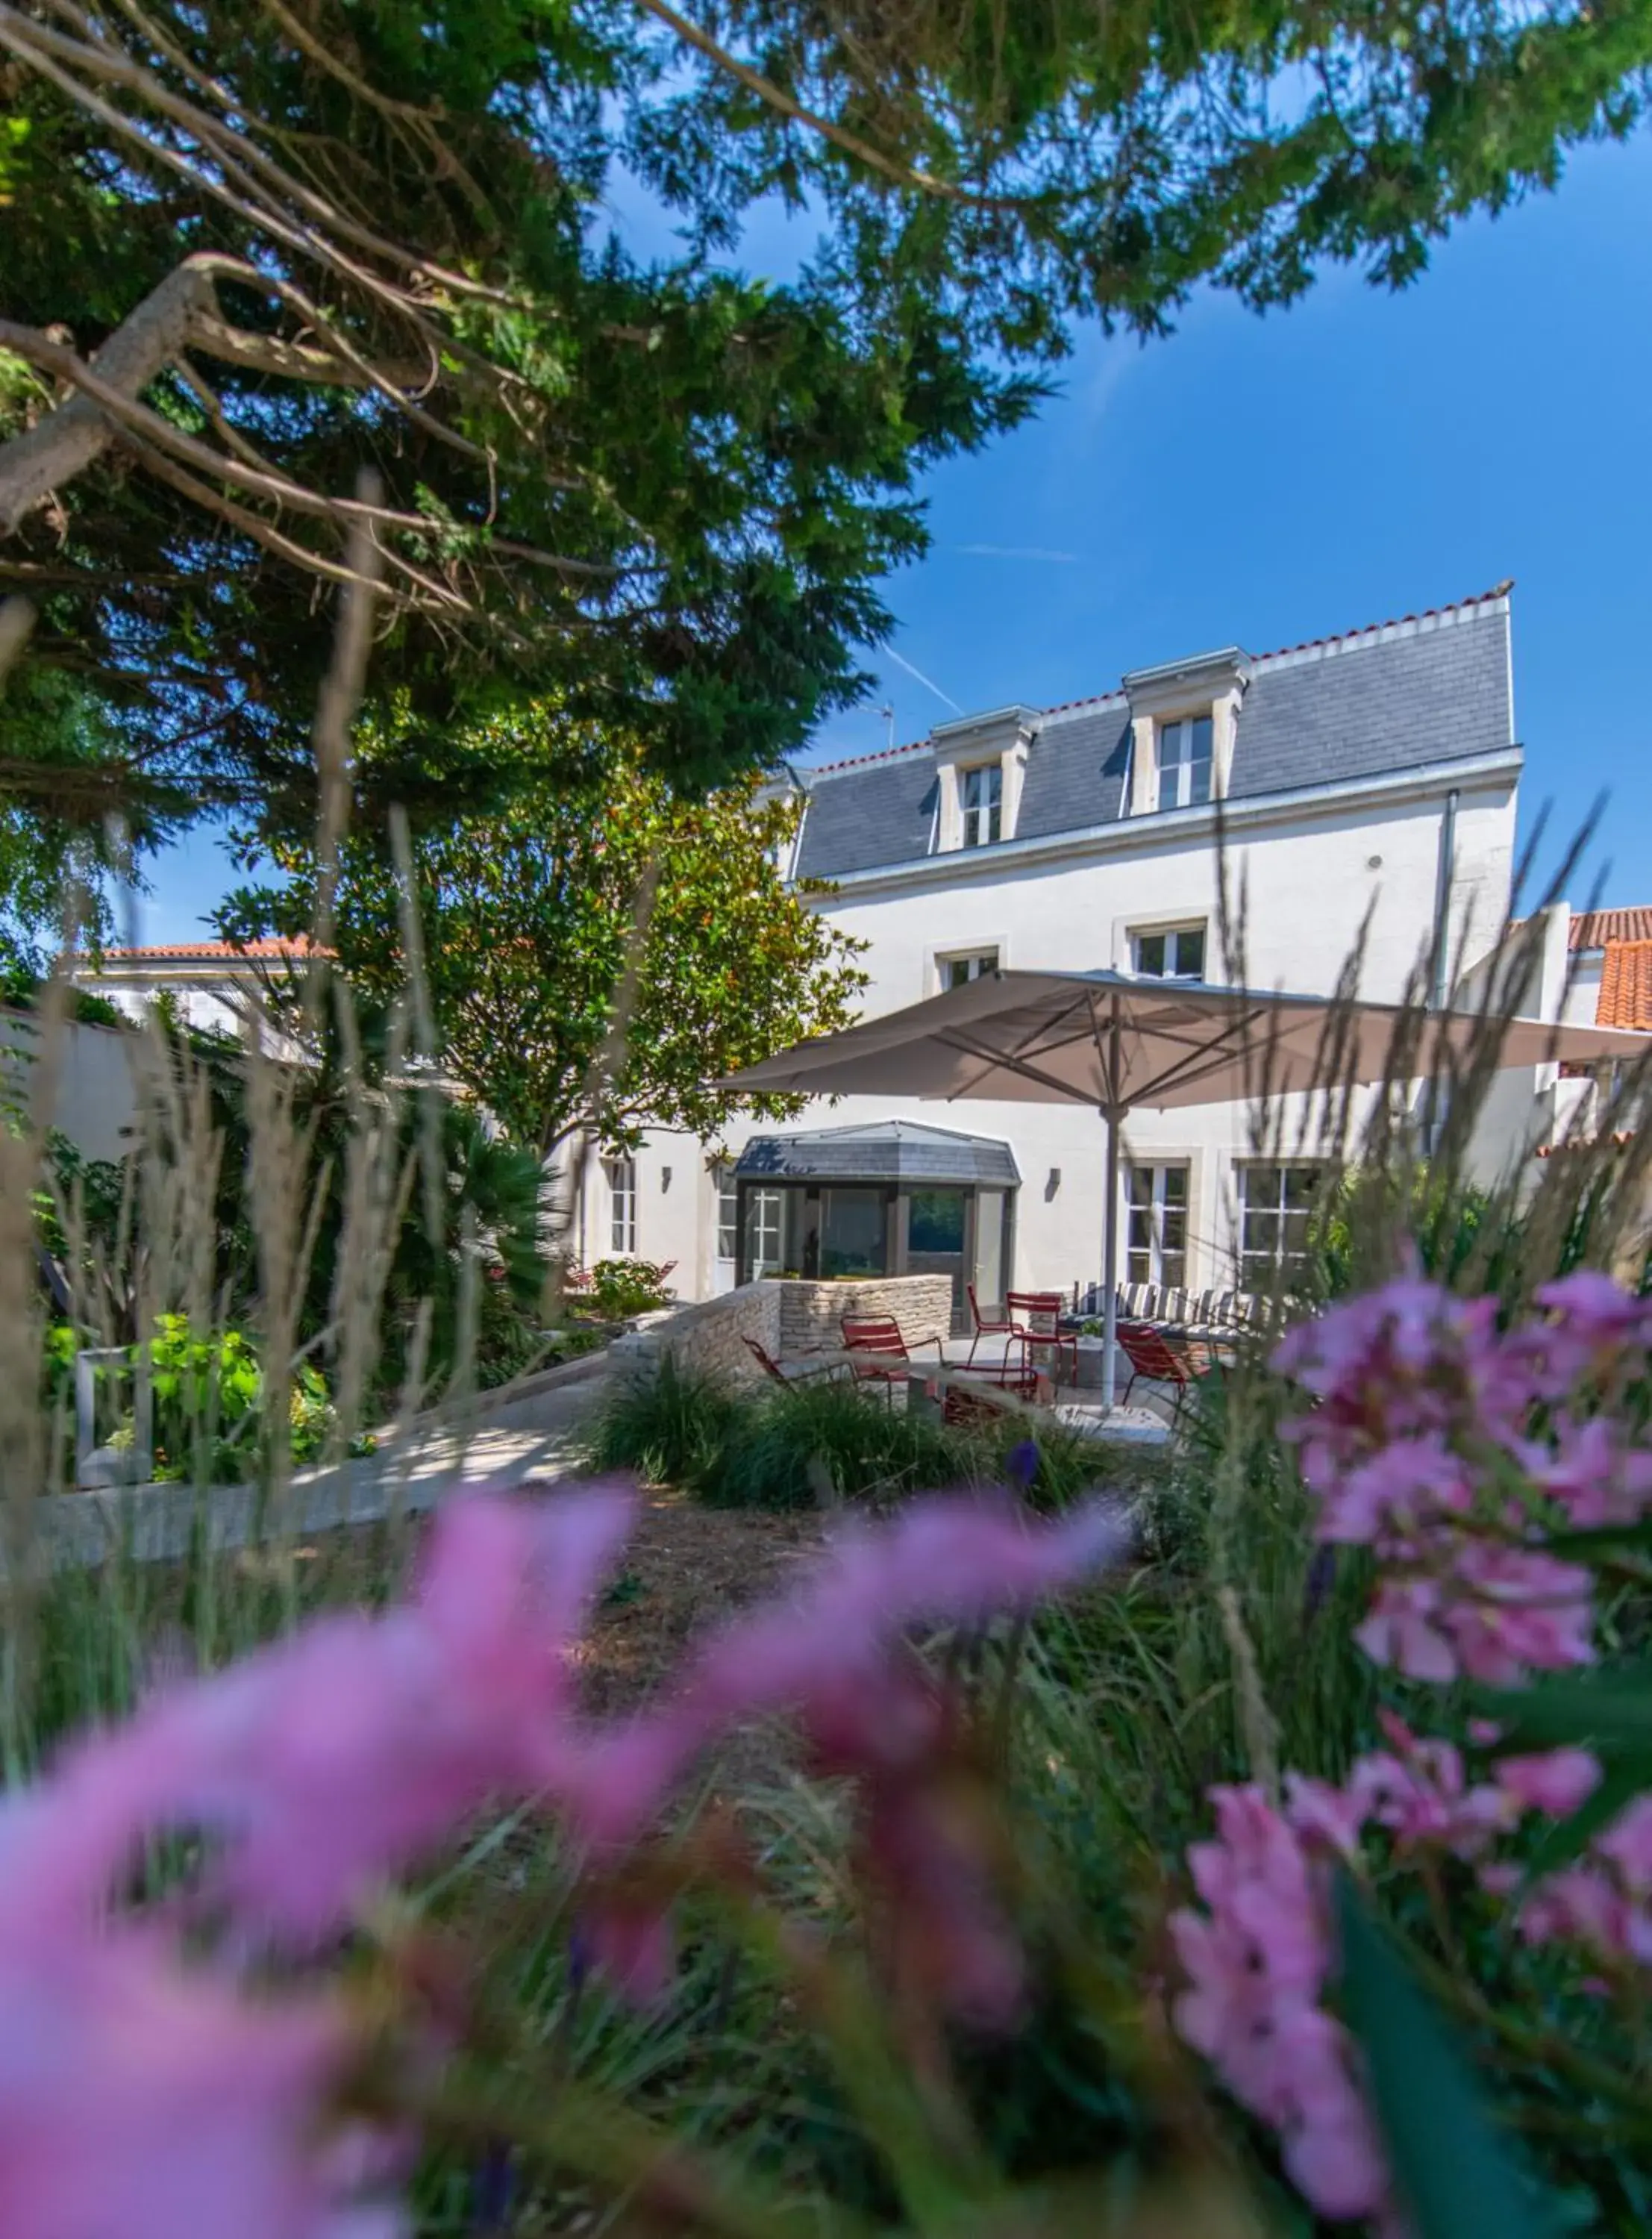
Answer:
(1115, 1044)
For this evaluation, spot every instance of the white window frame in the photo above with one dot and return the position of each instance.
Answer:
(976, 963)
(621, 1175)
(1156, 1206)
(727, 1209)
(981, 804)
(1178, 766)
(1173, 936)
(1279, 1259)
(763, 1215)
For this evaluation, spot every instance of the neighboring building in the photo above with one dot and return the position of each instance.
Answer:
(215, 985)
(1366, 783)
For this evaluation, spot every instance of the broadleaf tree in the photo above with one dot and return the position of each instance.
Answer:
(530, 919)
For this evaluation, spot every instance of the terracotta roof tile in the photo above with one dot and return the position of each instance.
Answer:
(208, 952)
(1625, 998)
(1595, 928)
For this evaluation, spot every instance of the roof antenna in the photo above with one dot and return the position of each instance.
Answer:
(888, 713)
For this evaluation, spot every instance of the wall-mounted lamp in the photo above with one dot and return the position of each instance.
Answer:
(1052, 1184)
(665, 1180)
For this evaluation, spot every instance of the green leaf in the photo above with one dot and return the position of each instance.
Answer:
(1609, 1712)
(1454, 2172)
(1602, 1539)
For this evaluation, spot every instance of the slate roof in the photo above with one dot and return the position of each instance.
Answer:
(885, 1150)
(1394, 697)
(1598, 928)
(1625, 997)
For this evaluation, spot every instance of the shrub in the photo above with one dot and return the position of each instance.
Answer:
(668, 1426)
(762, 1447)
(614, 1289)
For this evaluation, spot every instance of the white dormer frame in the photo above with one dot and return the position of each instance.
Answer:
(1209, 684)
(1002, 739)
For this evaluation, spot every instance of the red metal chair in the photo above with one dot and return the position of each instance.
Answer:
(1043, 1305)
(802, 1373)
(885, 1357)
(983, 1328)
(1151, 1354)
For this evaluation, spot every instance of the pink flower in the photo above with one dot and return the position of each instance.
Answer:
(1261, 1949)
(1256, 1963)
(1331, 1817)
(1556, 1781)
(1330, 2145)
(342, 1755)
(1406, 1628)
(1418, 1792)
(139, 2100)
(1515, 1611)
(1415, 1481)
(1627, 1843)
(1595, 1477)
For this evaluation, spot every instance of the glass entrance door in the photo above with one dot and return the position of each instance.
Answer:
(938, 1240)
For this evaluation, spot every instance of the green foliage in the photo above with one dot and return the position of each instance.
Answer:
(614, 1289)
(528, 918)
(817, 1439)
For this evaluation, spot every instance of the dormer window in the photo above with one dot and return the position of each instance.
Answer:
(980, 765)
(981, 792)
(1183, 720)
(1185, 751)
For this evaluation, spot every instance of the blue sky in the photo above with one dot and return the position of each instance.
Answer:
(1264, 481)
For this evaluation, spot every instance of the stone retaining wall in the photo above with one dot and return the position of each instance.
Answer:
(811, 1313)
(790, 1318)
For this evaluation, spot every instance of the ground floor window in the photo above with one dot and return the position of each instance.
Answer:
(1157, 1244)
(1275, 1204)
(728, 1212)
(762, 1232)
(622, 1201)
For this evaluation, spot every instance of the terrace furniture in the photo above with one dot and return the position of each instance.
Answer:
(882, 1353)
(1045, 1306)
(1160, 1358)
(789, 1374)
(984, 1327)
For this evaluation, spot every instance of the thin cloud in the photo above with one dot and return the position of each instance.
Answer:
(928, 683)
(1019, 552)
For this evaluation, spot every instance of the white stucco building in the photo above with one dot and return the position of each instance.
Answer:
(1368, 784)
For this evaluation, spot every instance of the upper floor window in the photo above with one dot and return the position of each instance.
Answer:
(622, 1193)
(1175, 953)
(959, 971)
(1185, 750)
(981, 794)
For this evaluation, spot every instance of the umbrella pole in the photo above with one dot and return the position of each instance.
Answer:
(1109, 1261)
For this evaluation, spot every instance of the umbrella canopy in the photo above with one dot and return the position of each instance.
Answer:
(1114, 1043)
